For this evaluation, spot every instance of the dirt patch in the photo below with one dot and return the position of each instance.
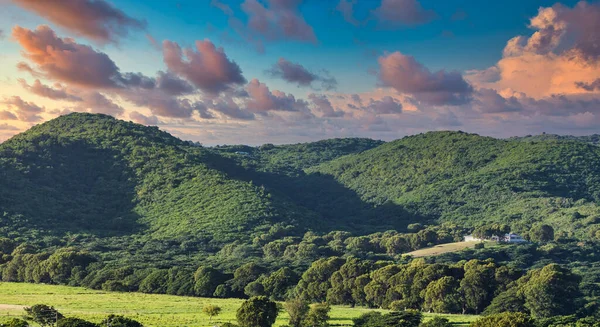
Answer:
(11, 307)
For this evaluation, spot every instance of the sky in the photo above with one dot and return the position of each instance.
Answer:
(288, 71)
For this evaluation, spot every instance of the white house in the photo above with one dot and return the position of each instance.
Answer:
(513, 238)
(471, 238)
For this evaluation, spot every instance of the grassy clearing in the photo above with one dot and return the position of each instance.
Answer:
(443, 248)
(150, 309)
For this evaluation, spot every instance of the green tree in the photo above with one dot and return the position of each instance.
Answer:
(541, 233)
(394, 319)
(506, 319)
(318, 315)
(511, 300)
(257, 311)
(478, 285)
(437, 322)
(74, 322)
(552, 291)
(297, 309)
(120, 321)
(43, 314)
(211, 311)
(15, 322)
(442, 296)
(206, 280)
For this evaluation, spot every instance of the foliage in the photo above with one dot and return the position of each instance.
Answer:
(74, 322)
(437, 322)
(120, 321)
(393, 319)
(317, 315)
(507, 319)
(257, 311)
(211, 311)
(43, 314)
(15, 322)
(297, 310)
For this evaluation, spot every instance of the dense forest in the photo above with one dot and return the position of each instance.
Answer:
(94, 201)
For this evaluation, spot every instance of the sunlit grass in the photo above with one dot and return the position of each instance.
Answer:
(150, 309)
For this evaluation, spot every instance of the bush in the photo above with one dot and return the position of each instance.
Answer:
(74, 322)
(506, 319)
(15, 322)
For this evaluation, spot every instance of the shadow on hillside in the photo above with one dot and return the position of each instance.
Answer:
(71, 187)
(335, 205)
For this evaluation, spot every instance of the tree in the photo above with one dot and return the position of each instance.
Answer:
(74, 322)
(552, 291)
(506, 319)
(541, 233)
(394, 319)
(511, 300)
(258, 311)
(437, 322)
(206, 280)
(442, 296)
(43, 314)
(246, 274)
(297, 309)
(478, 285)
(15, 322)
(120, 321)
(318, 315)
(211, 311)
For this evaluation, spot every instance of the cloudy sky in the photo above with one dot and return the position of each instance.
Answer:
(287, 71)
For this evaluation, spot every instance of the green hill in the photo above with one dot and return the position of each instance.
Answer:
(84, 173)
(469, 179)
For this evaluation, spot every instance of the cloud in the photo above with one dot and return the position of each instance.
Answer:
(346, 8)
(99, 103)
(48, 92)
(7, 127)
(261, 99)
(7, 115)
(408, 76)
(143, 119)
(65, 60)
(593, 86)
(322, 105)
(561, 56)
(387, 105)
(297, 74)
(280, 20)
(227, 106)
(489, 101)
(208, 68)
(25, 111)
(1, 34)
(173, 85)
(225, 8)
(95, 19)
(403, 12)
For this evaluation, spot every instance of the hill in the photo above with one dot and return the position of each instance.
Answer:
(469, 179)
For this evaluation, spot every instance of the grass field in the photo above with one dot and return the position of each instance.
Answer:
(442, 248)
(150, 309)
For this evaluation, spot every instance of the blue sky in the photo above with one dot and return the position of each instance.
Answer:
(449, 50)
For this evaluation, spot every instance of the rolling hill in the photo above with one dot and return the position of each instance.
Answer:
(123, 191)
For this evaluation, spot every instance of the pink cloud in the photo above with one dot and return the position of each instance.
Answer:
(143, 119)
(403, 12)
(208, 68)
(7, 115)
(281, 19)
(408, 76)
(297, 74)
(25, 111)
(95, 19)
(322, 105)
(65, 60)
(7, 127)
(43, 90)
(261, 99)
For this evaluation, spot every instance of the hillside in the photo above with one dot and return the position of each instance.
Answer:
(94, 174)
(93, 201)
(468, 179)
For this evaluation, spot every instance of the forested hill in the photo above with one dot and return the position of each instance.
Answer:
(96, 175)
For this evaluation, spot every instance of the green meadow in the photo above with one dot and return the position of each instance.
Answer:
(150, 309)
